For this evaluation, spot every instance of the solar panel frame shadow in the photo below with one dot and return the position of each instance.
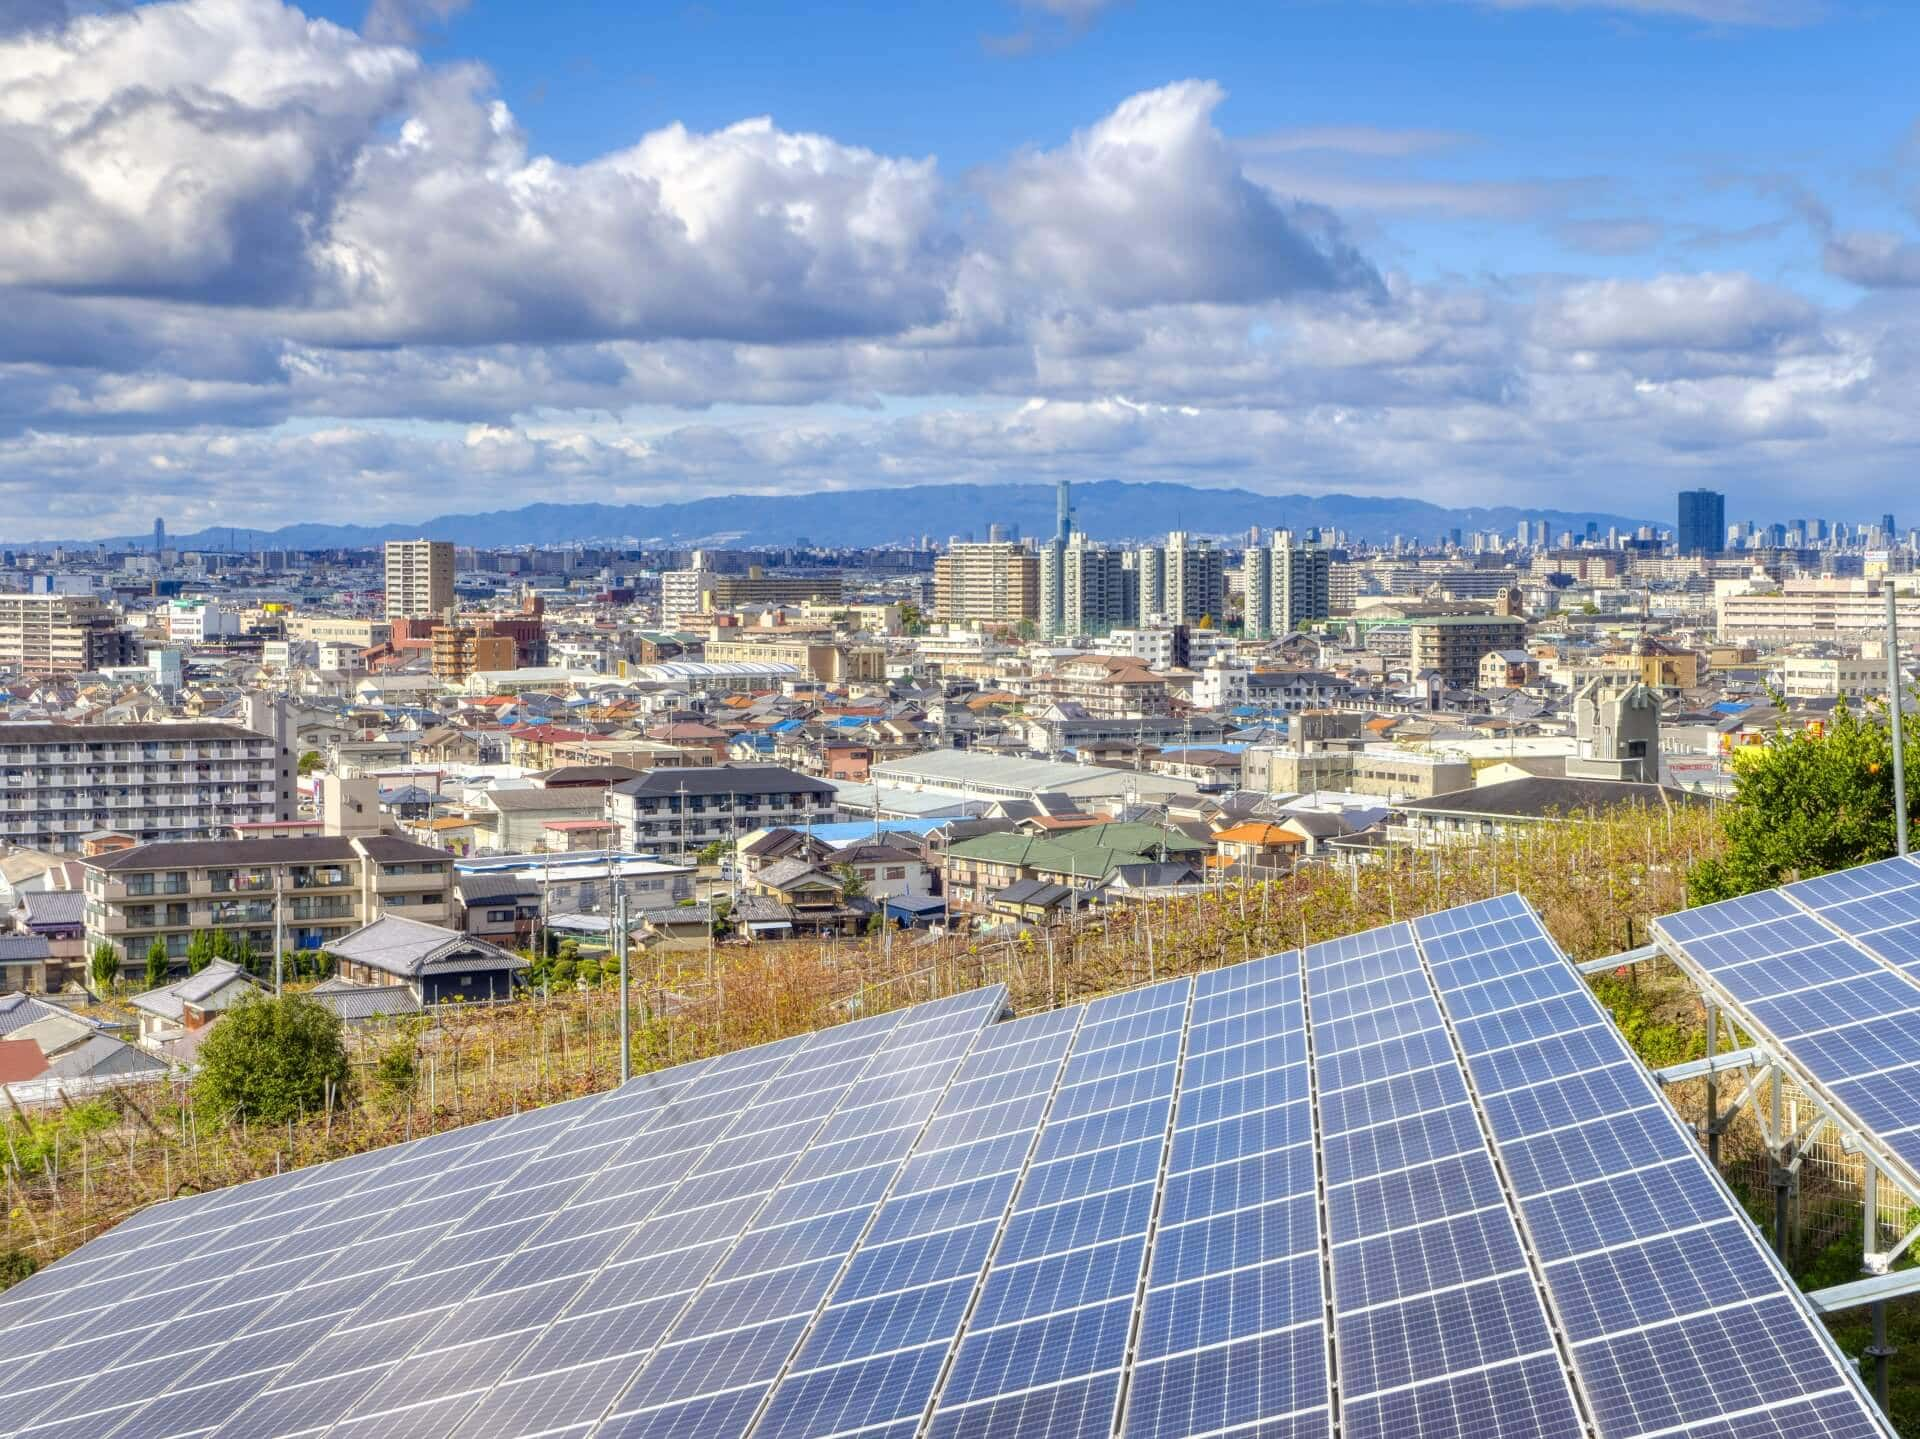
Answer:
(1026, 1365)
(1821, 972)
(1233, 1332)
(1438, 1327)
(1678, 1318)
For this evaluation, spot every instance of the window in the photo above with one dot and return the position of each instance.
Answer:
(500, 916)
(896, 871)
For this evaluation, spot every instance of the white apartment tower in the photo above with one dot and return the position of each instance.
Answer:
(419, 579)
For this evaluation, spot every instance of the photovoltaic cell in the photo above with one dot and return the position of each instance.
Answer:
(1417, 1163)
(1651, 1266)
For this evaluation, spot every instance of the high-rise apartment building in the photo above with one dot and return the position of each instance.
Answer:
(986, 584)
(1085, 589)
(419, 579)
(1702, 528)
(62, 635)
(1288, 583)
(1196, 580)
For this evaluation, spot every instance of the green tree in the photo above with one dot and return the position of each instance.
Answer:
(911, 620)
(1806, 802)
(590, 971)
(16, 1265)
(156, 963)
(104, 966)
(563, 972)
(199, 952)
(712, 853)
(310, 761)
(851, 885)
(242, 953)
(271, 1059)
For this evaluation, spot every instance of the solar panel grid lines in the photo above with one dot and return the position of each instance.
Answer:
(1231, 1325)
(288, 1292)
(876, 1355)
(1677, 1318)
(1459, 1340)
(1042, 1367)
(1822, 972)
(720, 1379)
(407, 1332)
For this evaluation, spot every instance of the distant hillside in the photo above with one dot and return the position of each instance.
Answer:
(1109, 509)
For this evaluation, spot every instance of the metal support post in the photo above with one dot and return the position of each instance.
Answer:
(1782, 1175)
(1874, 1262)
(620, 949)
(1713, 1087)
(1893, 709)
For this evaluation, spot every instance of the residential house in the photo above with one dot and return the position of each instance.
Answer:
(500, 908)
(25, 960)
(1259, 848)
(437, 964)
(59, 917)
(175, 1017)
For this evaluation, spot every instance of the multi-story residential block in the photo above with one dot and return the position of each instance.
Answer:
(1105, 686)
(62, 635)
(827, 661)
(419, 578)
(149, 781)
(1287, 585)
(677, 813)
(459, 650)
(1085, 589)
(1193, 581)
(1454, 645)
(322, 887)
(335, 630)
(987, 584)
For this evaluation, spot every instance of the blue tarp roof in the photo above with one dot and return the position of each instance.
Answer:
(854, 831)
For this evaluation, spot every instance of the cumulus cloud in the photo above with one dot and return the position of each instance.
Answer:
(256, 267)
(1151, 205)
(1728, 312)
(193, 149)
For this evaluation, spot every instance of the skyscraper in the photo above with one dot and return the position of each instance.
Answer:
(1085, 589)
(1703, 523)
(159, 537)
(1062, 512)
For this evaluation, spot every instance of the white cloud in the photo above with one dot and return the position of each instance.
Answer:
(1150, 205)
(1731, 312)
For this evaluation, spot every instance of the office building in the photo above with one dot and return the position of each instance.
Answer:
(419, 579)
(986, 584)
(53, 634)
(159, 537)
(1287, 584)
(324, 886)
(148, 781)
(1702, 529)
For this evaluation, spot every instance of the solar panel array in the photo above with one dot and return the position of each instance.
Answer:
(1408, 1183)
(1827, 971)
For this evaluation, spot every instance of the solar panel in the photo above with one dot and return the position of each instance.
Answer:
(1045, 1348)
(1408, 1182)
(1233, 1330)
(1827, 971)
(1649, 1261)
(1438, 1326)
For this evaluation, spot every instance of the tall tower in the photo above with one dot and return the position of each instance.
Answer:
(1063, 511)
(159, 537)
(1702, 528)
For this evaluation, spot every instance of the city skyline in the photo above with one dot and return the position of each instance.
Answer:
(435, 257)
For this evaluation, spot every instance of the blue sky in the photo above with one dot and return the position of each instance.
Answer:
(283, 263)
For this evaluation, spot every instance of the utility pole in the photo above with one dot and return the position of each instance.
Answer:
(620, 949)
(279, 928)
(1894, 707)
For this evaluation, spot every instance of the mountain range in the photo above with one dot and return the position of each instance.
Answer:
(1107, 510)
